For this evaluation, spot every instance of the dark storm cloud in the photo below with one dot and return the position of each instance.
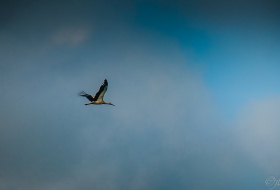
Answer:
(9, 9)
(240, 13)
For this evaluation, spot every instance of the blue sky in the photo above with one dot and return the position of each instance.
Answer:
(238, 59)
(195, 84)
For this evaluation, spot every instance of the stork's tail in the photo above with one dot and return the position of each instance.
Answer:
(82, 93)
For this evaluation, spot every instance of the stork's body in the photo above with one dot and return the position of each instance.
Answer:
(98, 98)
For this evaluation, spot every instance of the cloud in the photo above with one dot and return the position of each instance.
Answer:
(71, 36)
(165, 132)
(258, 131)
(152, 138)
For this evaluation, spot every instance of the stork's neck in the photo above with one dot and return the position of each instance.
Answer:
(109, 103)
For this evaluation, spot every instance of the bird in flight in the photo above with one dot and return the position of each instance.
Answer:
(98, 98)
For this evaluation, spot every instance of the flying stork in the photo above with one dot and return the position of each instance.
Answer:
(98, 98)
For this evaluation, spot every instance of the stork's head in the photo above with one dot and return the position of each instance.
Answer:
(109, 103)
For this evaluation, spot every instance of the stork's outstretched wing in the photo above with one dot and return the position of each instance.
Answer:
(103, 88)
(88, 96)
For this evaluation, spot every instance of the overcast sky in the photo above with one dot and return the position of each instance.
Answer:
(196, 86)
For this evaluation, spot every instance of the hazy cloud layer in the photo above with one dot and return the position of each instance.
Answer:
(258, 133)
(167, 130)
